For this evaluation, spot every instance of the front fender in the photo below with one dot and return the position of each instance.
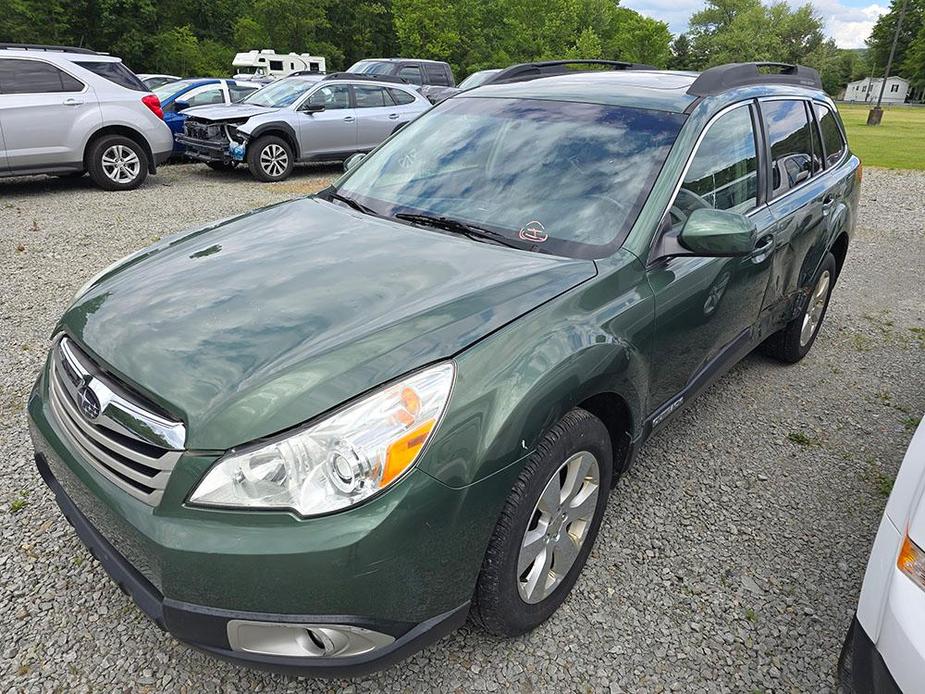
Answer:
(515, 384)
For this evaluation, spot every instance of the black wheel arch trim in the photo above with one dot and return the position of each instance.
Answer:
(277, 128)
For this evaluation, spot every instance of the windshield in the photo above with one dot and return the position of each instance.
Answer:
(371, 67)
(552, 176)
(281, 93)
(477, 78)
(171, 89)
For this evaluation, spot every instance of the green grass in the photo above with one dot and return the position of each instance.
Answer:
(801, 439)
(897, 143)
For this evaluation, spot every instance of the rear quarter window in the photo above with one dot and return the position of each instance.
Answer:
(832, 138)
(116, 73)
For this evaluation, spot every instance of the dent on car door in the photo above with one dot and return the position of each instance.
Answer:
(333, 130)
(706, 306)
(799, 187)
(47, 115)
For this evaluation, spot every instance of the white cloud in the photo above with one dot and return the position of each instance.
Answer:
(849, 26)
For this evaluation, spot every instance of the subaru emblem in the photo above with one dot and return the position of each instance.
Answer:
(88, 402)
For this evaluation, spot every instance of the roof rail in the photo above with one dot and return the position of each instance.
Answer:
(548, 68)
(305, 73)
(365, 77)
(42, 47)
(722, 77)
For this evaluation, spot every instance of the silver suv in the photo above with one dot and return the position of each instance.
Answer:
(69, 111)
(301, 118)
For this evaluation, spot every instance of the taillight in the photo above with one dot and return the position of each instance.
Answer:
(152, 102)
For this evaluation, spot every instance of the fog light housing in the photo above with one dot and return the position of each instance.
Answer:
(303, 640)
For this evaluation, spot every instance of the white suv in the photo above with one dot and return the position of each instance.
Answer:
(70, 111)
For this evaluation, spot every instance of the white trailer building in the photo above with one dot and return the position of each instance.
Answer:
(868, 90)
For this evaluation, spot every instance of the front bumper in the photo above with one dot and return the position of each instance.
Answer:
(861, 668)
(207, 628)
(204, 150)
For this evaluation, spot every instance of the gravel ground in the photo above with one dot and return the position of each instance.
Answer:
(731, 555)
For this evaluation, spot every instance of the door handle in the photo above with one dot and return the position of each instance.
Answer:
(393, 116)
(764, 245)
(348, 119)
(71, 101)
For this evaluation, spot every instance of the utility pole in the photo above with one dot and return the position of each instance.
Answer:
(876, 113)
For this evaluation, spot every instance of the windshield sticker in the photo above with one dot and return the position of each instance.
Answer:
(533, 231)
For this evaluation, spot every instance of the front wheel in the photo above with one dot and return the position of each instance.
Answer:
(547, 527)
(794, 340)
(270, 159)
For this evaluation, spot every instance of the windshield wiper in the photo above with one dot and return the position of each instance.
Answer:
(457, 227)
(358, 206)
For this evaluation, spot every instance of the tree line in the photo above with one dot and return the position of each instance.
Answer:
(201, 38)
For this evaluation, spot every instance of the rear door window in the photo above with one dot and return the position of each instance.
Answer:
(724, 172)
(371, 97)
(436, 74)
(35, 77)
(790, 137)
(411, 73)
(832, 138)
(212, 95)
(116, 73)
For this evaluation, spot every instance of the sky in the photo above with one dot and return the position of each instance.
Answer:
(847, 21)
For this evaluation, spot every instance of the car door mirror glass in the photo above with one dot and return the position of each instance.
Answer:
(709, 232)
(353, 160)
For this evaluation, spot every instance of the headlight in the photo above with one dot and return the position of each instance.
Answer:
(339, 461)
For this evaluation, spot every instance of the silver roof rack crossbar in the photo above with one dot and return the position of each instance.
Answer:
(43, 47)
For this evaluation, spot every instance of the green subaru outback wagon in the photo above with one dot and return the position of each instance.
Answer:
(318, 436)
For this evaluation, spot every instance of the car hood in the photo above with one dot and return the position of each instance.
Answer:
(223, 112)
(264, 321)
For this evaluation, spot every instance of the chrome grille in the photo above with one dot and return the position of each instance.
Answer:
(122, 438)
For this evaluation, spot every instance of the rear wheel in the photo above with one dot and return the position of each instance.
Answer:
(547, 527)
(270, 158)
(117, 163)
(794, 340)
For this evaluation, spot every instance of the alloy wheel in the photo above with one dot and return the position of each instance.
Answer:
(558, 527)
(120, 164)
(814, 308)
(274, 160)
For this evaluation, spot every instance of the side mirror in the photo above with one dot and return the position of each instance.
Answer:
(313, 108)
(709, 232)
(179, 105)
(354, 159)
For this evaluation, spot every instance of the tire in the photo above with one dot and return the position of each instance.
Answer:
(221, 165)
(270, 159)
(791, 343)
(116, 162)
(508, 602)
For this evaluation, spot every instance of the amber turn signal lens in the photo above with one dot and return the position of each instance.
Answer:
(911, 561)
(403, 451)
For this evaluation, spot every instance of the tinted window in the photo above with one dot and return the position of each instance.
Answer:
(401, 97)
(818, 154)
(831, 135)
(561, 177)
(436, 74)
(371, 97)
(371, 67)
(724, 171)
(116, 73)
(412, 73)
(34, 77)
(331, 97)
(238, 92)
(276, 64)
(790, 140)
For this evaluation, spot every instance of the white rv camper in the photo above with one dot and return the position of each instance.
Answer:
(269, 63)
